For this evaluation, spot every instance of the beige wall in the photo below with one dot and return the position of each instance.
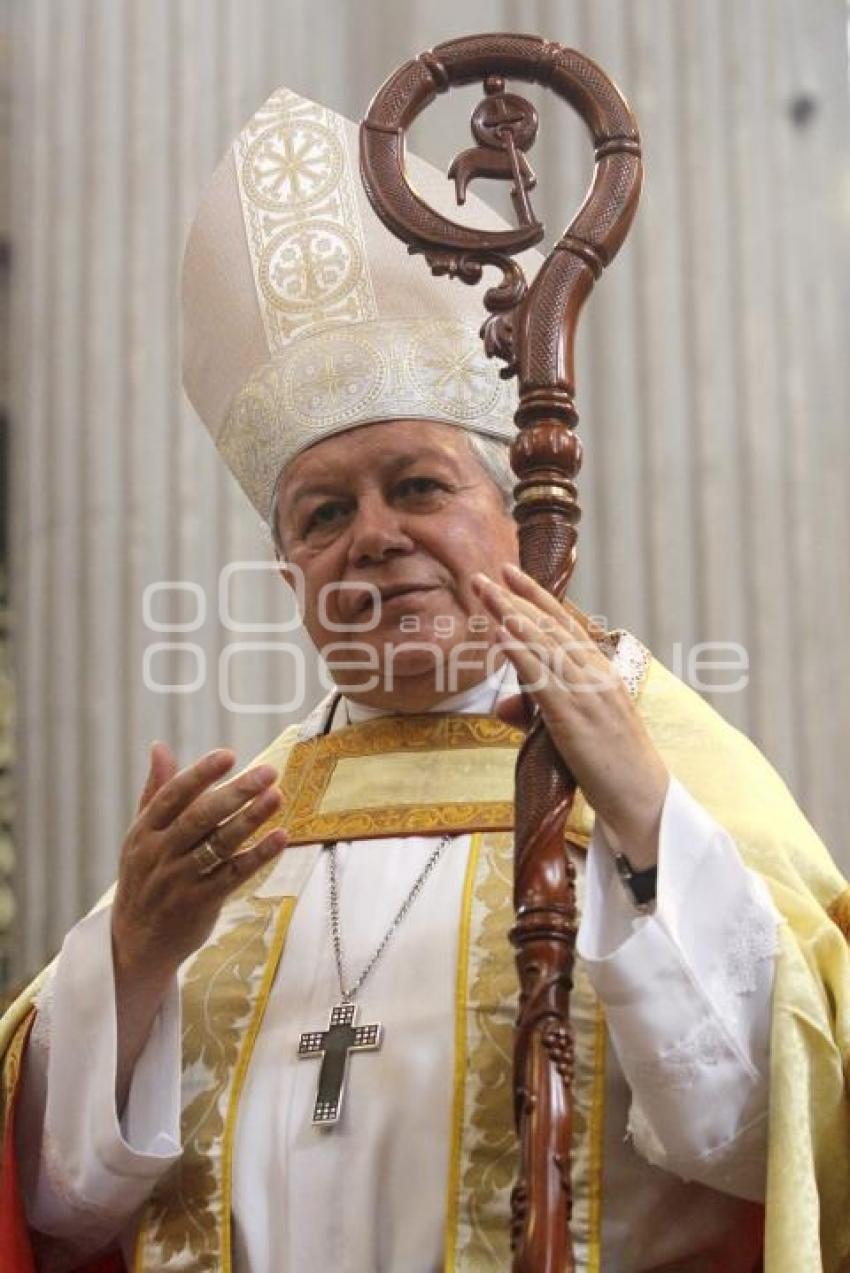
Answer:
(712, 372)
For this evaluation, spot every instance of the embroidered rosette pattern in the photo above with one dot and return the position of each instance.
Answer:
(333, 378)
(446, 369)
(299, 204)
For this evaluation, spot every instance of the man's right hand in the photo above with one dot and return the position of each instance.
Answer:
(165, 904)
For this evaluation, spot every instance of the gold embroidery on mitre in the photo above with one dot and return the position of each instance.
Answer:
(335, 376)
(186, 1225)
(299, 204)
(328, 380)
(447, 372)
(333, 362)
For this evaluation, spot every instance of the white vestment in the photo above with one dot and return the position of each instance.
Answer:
(687, 998)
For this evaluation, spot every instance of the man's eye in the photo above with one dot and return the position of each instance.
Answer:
(325, 515)
(419, 486)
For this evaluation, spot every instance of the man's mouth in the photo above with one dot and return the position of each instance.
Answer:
(395, 594)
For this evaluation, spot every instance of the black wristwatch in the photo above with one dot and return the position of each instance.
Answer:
(641, 884)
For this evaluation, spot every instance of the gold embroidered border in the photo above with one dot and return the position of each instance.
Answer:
(307, 774)
(287, 906)
(311, 766)
(597, 1134)
(483, 1150)
(487, 1151)
(588, 1022)
(186, 1223)
(460, 1061)
(12, 1063)
(364, 824)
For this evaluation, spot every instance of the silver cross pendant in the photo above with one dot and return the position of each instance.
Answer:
(333, 1046)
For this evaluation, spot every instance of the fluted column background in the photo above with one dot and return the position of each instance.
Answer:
(712, 376)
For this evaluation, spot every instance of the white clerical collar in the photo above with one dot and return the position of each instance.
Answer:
(479, 699)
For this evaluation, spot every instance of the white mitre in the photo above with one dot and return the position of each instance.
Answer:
(303, 316)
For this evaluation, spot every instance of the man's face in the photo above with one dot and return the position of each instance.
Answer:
(402, 515)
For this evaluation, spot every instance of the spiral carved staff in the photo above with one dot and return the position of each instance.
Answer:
(533, 330)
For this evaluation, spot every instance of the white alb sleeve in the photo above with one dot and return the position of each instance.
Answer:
(84, 1172)
(687, 994)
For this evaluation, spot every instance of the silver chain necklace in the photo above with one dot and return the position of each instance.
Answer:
(336, 932)
(342, 1035)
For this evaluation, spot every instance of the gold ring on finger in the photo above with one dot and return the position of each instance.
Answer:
(207, 857)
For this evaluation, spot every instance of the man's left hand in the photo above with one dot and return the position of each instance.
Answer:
(586, 708)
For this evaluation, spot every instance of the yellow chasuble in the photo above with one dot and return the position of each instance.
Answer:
(373, 779)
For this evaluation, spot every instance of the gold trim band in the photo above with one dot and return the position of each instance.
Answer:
(544, 491)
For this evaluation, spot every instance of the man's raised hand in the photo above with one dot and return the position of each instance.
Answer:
(586, 708)
(165, 902)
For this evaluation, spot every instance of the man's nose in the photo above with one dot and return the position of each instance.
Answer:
(377, 532)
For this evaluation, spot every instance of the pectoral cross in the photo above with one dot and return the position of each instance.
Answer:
(333, 1046)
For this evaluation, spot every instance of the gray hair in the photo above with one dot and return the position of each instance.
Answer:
(493, 455)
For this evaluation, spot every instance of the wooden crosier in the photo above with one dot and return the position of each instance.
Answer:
(532, 329)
